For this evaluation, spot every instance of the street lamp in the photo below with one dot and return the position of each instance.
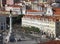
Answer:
(10, 29)
(10, 16)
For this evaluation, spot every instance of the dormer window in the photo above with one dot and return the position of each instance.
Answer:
(28, 7)
(48, 11)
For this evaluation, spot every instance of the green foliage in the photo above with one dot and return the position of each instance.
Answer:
(34, 29)
(17, 19)
(13, 20)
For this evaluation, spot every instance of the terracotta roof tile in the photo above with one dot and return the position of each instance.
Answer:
(15, 6)
(33, 10)
(56, 11)
(41, 4)
(53, 18)
(52, 42)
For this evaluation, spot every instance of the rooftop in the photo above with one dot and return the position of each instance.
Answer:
(14, 6)
(33, 10)
(56, 11)
(52, 42)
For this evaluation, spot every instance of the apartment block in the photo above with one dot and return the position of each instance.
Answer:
(46, 19)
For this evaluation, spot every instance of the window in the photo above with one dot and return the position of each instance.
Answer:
(3, 2)
(44, 0)
(16, 1)
(48, 11)
(4, 23)
(1, 27)
(1, 23)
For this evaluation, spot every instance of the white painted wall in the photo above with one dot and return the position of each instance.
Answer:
(49, 11)
(8, 8)
(24, 9)
(48, 27)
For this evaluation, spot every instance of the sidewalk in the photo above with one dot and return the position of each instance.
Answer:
(36, 35)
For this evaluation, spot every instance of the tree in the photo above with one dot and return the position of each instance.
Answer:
(18, 19)
(35, 29)
(32, 28)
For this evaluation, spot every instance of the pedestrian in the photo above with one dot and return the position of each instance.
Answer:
(16, 39)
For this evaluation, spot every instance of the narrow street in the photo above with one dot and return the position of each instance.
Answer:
(24, 42)
(27, 38)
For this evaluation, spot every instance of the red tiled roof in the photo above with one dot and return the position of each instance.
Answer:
(32, 16)
(53, 18)
(56, 11)
(52, 42)
(41, 4)
(14, 6)
(33, 10)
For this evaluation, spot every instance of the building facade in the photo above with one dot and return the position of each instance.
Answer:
(38, 13)
(2, 23)
(46, 19)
